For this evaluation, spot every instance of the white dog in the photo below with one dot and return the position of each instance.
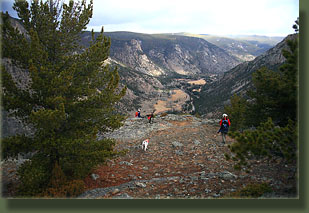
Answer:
(145, 144)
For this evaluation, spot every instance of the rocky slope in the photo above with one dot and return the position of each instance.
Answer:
(167, 54)
(185, 159)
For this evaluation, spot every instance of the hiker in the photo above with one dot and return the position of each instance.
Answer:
(138, 113)
(224, 127)
(150, 116)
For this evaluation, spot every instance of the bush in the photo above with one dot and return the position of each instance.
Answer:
(33, 176)
(267, 141)
(253, 190)
(60, 187)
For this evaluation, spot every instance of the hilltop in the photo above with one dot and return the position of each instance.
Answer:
(185, 159)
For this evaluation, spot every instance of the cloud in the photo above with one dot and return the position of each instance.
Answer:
(264, 17)
(197, 16)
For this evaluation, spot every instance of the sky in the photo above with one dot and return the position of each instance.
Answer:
(218, 17)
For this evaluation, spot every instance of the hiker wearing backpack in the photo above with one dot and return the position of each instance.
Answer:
(138, 113)
(224, 127)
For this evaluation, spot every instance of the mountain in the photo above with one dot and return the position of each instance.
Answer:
(150, 64)
(237, 80)
(166, 55)
(245, 48)
(161, 70)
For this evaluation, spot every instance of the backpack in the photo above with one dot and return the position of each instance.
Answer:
(225, 124)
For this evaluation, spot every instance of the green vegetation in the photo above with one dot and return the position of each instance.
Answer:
(267, 141)
(71, 97)
(252, 191)
(271, 109)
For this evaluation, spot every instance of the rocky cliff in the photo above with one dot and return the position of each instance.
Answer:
(167, 54)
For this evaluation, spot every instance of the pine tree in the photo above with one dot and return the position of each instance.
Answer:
(266, 141)
(71, 97)
(236, 111)
(272, 110)
(275, 92)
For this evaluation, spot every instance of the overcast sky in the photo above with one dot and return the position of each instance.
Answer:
(220, 17)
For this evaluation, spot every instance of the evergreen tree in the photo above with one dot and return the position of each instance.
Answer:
(236, 111)
(266, 97)
(71, 97)
(275, 92)
(266, 141)
(272, 109)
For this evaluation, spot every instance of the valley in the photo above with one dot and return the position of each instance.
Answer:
(173, 72)
(176, 99)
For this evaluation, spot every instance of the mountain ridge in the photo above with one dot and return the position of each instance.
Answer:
(162, 54)
(238, 79)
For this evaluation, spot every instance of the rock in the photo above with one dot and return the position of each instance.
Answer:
(216, 195)
(227, 175)
(115, 191)
(157, 197)
(126, 163)
(207, 191)
(94, 176)
(176, 144)
(142, 185)
(197, 142)
(222, 191)
(178, 152)
(123, 196)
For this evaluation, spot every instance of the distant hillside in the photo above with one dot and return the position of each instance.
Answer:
(149, 63)
(161, 54)
(245, 48)
(213, 96)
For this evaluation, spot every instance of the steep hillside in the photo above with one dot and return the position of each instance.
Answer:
(160, 54)
(238, 79)
(149, 64)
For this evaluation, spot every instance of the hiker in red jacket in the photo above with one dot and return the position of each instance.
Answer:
(150, 116)
(224, 127)
(138, 113)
